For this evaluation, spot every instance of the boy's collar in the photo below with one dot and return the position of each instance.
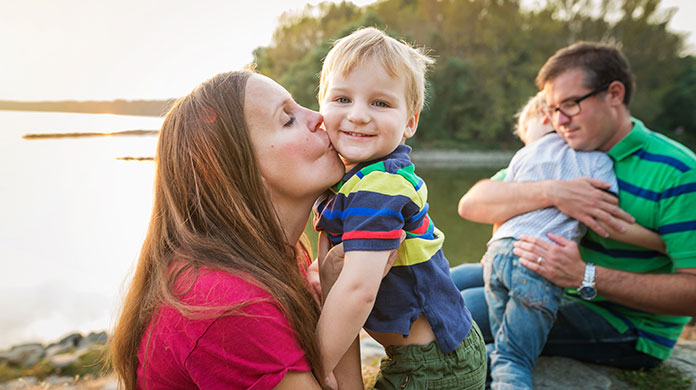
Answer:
(401, 151)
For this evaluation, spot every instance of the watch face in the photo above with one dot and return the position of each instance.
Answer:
(587, 292)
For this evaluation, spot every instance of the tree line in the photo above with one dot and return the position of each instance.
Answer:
(488, 53)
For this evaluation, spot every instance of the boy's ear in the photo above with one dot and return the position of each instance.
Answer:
(411, 125)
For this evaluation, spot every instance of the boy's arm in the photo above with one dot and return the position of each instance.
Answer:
(493, 201)
(349, 303)
(637, 235)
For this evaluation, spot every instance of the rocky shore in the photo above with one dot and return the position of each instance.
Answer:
(76, 363)
(73, 362)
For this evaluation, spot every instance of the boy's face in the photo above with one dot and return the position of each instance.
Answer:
(365, 114)
(536, 127)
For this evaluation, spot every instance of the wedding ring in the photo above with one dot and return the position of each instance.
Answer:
(539, 259)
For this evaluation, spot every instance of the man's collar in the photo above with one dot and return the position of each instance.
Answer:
(634, 140)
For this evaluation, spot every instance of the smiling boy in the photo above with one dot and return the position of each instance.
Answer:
(371, 94)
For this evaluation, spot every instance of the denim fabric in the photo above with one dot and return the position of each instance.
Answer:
(522, 308)
(578, 333)
(469, 280)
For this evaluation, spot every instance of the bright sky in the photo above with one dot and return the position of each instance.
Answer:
(147, 49)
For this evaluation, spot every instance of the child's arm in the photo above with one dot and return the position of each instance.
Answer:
(637, 235)
(349, 303)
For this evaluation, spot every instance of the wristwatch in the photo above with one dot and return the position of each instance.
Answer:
(587, 290)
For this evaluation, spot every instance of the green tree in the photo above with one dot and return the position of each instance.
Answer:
(488, 53)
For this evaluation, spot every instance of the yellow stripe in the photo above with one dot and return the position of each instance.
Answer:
(417, 250)
(387, 184)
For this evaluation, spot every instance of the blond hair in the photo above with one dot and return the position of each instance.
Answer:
(399, 59)
(534, 107)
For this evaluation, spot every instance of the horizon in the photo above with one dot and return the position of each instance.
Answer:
(82, 51)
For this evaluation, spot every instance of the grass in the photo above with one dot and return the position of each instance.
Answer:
(369, 372)
(661, 377)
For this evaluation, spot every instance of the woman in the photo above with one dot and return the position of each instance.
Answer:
(218, 299)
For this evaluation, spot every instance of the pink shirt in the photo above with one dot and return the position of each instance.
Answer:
(223, 352)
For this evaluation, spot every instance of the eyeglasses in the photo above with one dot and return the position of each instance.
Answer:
(571, 108)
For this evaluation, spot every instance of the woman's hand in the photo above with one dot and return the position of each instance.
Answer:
(314, 281)
(330, 263)
(559, 263)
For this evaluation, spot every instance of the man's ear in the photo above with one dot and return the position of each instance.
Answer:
(411, 125)
(616, 93)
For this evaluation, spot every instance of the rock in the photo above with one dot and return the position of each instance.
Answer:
(72, 340)
(684, 359)
(552, 373)
(63, 360)
(110, 384)
(23, 355)
(21, 383)
(57, 349)
(93, 338)
(55, 380)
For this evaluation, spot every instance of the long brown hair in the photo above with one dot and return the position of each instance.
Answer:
(212, 210)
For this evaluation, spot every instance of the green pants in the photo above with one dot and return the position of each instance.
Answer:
(420, 367)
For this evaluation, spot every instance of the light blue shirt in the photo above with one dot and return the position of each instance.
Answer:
(548, 158)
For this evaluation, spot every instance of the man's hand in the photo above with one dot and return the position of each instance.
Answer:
(585, 200)
(560, 264)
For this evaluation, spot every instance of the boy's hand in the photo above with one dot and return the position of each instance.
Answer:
(330, 262)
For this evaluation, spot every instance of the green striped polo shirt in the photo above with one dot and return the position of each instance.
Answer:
(657, 186)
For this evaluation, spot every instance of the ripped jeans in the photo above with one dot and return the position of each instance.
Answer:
(522, 309)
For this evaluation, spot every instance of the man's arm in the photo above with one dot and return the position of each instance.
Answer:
(673, 294)
(493, 201)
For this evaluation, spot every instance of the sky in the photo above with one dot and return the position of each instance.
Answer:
(148, 49)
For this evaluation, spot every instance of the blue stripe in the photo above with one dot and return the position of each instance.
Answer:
(678, 227)
(679, 190)
(664, 341)
(420, 214)
(359, 174)
(360, 212)
(419, 184)
(661, 158)
(637, 191)
(619, 253)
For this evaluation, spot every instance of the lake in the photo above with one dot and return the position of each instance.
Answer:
(74, 216)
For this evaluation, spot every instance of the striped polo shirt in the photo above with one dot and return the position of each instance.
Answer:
(373, 203)
(657, 186)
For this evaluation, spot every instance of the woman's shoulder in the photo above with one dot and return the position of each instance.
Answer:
(215, 287)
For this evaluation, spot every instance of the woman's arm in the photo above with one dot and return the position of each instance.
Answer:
(298, 380)
(637, 235)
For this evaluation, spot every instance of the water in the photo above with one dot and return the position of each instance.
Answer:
(74, 218)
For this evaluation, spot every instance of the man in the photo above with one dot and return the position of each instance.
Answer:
(626, 305)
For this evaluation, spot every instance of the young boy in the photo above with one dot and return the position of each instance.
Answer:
(522, 305)
(371, 94)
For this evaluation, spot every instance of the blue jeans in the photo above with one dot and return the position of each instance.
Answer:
(522, 307)
(578, 333)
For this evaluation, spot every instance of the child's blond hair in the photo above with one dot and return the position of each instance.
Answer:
(534, 107)
(399, 59)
